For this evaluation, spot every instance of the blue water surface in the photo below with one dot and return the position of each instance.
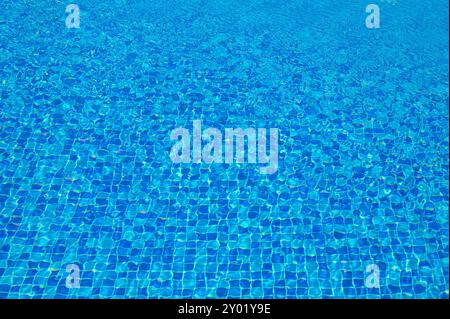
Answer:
(86, 178)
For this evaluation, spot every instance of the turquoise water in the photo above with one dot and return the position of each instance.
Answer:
(86, 178)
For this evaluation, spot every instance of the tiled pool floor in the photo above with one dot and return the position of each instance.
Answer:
(86, 179)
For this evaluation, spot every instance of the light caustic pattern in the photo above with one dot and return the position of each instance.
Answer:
(92, 206)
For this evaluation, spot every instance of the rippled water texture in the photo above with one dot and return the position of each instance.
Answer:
(86, 178)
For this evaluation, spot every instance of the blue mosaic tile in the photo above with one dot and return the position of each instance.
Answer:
(86, 179)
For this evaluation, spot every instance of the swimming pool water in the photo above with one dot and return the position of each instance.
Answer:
(86, 178)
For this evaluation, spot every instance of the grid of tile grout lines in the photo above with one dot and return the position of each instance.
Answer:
(86, 179)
